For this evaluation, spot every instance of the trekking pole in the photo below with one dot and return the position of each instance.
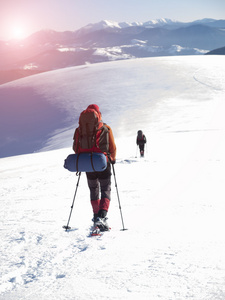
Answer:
(118, 196)
(67, 226)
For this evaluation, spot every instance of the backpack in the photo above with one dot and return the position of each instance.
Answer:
(140, 134)
(92, 133)
(141, 140)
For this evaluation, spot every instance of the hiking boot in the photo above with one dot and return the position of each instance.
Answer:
(102, 224)
(95, 217)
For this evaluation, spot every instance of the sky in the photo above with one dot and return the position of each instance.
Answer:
(21, 18)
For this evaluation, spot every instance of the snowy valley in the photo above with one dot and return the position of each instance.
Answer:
(172, 199)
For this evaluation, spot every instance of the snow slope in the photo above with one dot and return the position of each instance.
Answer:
(172, 200)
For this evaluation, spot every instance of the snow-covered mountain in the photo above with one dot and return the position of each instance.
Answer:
(108, 41)
(163, 22)
(219, 51)
(107, 24)
(172, 200)
(37, 117)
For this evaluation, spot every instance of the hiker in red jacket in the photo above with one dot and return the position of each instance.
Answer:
(99, 183)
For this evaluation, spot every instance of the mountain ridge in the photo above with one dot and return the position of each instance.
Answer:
(106, 40)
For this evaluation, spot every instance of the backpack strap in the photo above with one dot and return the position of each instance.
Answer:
(92, 162)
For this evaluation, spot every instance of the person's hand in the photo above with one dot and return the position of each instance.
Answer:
(111, 160)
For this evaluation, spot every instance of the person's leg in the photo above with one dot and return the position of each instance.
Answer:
(105, 185)
(142, 150)
(94, 187)
(105, 196)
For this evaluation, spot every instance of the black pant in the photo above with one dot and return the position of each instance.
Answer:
(142, 147)
(97, 180)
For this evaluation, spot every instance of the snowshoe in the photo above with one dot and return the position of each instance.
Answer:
(102, 224)
(96, 231)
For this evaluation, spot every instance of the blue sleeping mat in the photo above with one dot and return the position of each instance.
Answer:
(86, 162)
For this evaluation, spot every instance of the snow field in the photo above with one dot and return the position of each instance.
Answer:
(172, 200)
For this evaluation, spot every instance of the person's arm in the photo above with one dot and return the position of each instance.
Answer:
(112, 145)
(75, 140)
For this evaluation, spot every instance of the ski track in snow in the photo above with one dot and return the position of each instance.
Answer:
(172, 202)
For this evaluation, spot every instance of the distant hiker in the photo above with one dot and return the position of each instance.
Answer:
(141, 141)
(93, 135)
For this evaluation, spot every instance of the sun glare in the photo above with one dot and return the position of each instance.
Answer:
(18, 32)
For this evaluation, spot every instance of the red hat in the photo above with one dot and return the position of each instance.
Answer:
(94, 106)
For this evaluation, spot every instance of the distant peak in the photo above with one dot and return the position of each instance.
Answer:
(104, 24)
(109, 23)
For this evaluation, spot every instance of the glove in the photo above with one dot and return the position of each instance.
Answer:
(111, 161)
